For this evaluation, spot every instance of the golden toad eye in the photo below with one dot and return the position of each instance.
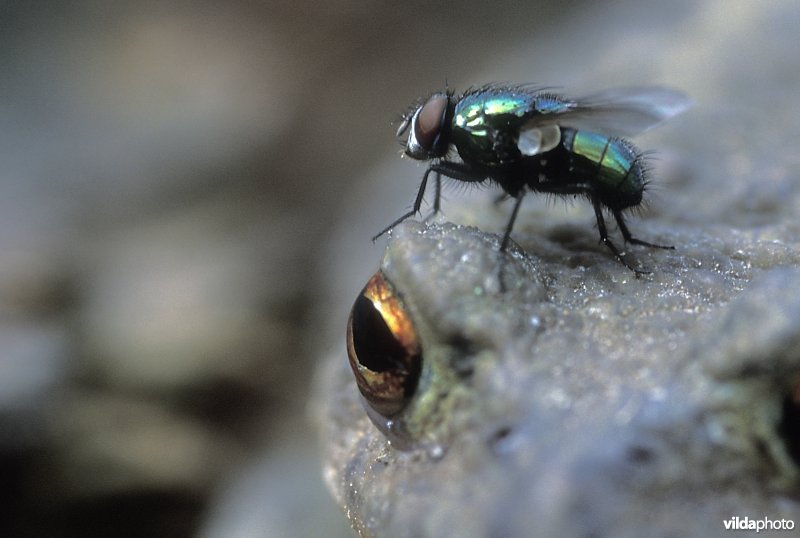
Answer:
(383, 347)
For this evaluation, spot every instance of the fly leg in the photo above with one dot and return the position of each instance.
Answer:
(437, 196)
(510, 225)
(507, 237)
(626, 234)
(414, 209)
(459, 171)
(588, 190)
(601, 226)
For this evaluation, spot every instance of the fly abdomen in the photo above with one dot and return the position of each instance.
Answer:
(612, 166)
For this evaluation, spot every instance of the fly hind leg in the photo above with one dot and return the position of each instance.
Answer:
(601, 226)
(626, 234)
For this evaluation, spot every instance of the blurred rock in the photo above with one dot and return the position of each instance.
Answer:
(278, 495)
(33, 361)
(173, 304)
(106, 444)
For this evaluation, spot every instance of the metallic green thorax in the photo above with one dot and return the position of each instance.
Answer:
(486, 130)
(481, 115)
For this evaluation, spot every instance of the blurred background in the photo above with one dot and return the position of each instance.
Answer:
(187, 192)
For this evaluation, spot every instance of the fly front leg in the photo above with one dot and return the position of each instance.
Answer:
(459, 171)
(437, 196)
(414, 209)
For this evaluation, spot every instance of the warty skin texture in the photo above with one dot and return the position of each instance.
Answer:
(583, 400)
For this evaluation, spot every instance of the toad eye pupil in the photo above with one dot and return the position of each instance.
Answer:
(375, 346)
(382, 347)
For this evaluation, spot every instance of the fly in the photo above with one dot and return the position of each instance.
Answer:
(528, 140)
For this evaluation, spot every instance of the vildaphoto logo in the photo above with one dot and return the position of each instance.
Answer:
(745, 523)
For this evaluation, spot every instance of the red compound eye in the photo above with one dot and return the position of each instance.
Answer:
(428, 138)
(429, 121)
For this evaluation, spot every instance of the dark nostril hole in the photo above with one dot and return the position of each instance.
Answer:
(789, 427)
(640, 454)
(464, 352)
(501, 433)
(501, 441)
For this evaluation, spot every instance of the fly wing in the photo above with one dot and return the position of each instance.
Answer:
(618, 112)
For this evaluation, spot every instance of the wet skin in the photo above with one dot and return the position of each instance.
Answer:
(581, 400)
